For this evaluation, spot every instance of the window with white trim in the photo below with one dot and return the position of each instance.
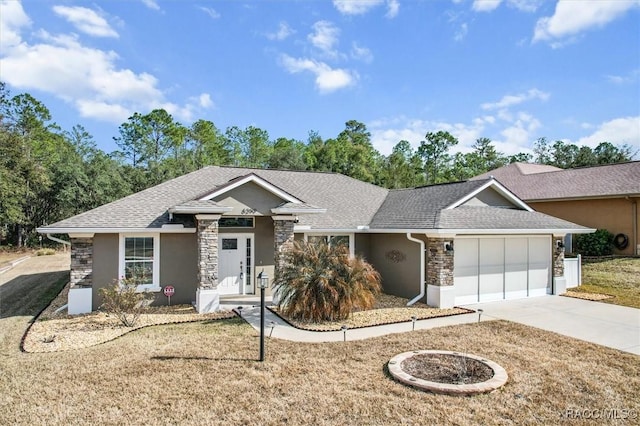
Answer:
(139, 260)
(333, 240)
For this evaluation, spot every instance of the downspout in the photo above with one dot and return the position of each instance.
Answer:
(422, 289)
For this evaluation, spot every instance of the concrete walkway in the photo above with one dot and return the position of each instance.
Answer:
(609, 325)
(614, 326)
(282, 330)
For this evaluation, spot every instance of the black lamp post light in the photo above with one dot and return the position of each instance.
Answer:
(263, 282)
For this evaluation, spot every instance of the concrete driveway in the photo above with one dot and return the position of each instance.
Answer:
(614, 326)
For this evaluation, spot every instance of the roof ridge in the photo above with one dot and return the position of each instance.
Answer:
(433, 185)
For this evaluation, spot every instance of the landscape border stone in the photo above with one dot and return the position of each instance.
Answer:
(499, 378)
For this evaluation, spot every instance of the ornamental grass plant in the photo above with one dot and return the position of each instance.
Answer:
(323, 282)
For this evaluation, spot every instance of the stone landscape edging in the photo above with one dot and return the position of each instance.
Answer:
(499, 375)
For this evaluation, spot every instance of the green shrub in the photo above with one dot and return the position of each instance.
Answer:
(319, 282)
(45, 252)
(125, 302)
(600, 243)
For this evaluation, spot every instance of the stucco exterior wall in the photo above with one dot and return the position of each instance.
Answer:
(615, 215)
(249, 199)
(398, 261)
(178, 267)
(363, 246)
(105, 264)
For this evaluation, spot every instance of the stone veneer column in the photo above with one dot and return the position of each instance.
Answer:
(207, 296)
(557, 256)
(282, 241)
(440, 291)
(79, 300)
(81, 262)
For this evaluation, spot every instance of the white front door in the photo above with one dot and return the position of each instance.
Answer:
(235, 263)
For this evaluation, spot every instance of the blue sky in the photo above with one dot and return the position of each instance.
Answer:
(509, 70)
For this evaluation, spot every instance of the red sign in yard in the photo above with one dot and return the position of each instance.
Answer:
(168, 290)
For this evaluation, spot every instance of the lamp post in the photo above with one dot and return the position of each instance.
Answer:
(263, 281)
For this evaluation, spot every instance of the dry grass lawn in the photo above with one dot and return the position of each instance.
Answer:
(619, 278)
(207, 373)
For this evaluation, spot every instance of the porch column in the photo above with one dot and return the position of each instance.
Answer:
(81, 276)
(207, 296)
(282, 241)
(440, 290)
(557, 250)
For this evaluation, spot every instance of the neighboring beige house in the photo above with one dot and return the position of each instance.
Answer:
(210, 232)
(601, 197)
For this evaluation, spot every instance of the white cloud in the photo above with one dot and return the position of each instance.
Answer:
(325, 37)
(571, 17)
(526, 5)
(386, 133)
(284, 31)
(356, 7)
(462, 32)
(624, 79)
(151, 4)
(393, 7)
(361, 53)
(360, 7)
(521, 5)
(510, 100)
(204, 100)
(485, 5)
(624, 130)
(85, 77)
(86, 20)
(213, 14)
(327, 79)
(521, 132)
(12, 21)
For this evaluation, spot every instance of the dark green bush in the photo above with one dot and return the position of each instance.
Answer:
(600, 243)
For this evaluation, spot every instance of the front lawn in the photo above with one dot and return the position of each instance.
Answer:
(207, 373)
(619, 278)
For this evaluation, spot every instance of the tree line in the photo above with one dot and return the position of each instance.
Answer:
(48, 173)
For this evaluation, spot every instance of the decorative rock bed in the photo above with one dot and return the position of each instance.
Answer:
(447, 372)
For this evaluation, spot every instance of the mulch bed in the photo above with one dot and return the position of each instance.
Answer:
(449, 369)
(387, 310)
(587, 296)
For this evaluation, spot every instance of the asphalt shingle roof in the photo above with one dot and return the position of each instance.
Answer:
(468, 217)
(418, 208)
(535, 182)
(349, 204)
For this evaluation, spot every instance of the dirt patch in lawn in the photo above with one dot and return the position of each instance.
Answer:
(387, 310)
(446, 368)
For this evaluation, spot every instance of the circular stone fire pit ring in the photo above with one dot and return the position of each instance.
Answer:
(499, 375)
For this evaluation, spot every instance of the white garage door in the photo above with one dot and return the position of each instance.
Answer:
(489, 268)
